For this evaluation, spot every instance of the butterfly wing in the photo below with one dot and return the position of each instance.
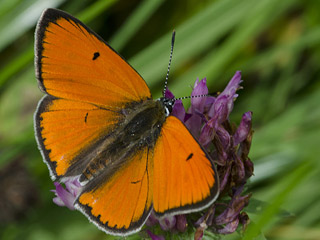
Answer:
(185, 178)
(120, 200)
(88, 84)
(66, 130)
(74, 63)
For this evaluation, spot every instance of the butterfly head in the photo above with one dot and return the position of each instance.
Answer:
(167, 104)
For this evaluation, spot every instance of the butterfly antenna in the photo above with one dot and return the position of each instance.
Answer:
(196, 96)
(171, 52)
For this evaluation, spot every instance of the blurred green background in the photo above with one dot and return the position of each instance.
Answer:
(274, 43)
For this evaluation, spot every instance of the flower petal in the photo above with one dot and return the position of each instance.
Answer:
(243, 129)
(66, 197)
(181, 224)
(229, 227)
(225, 176)
(178, 110)
(226, 98)
(200, 88)
(224, 138)
(235, 207)
(168, 222)
(208, 132)
(168, 94)
(152, 220)
(73, 186)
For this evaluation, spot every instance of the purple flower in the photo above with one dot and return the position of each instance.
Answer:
(243, 130)
(181, 223)
(230, 227)
(152, 220)
(234, 208)
(66, 196)
(178, 110)
(224, 102)
(208, 119)
(167, 223)
(197, 107)
(198, 103)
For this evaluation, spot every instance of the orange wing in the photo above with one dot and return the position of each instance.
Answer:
(88, 85)
(65, 129)
(74, 63)
(120, 201)
(185, 179)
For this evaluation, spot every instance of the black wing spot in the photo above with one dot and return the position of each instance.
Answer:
(95, 55)
(189, 157)
(135, 182)
(85, 118)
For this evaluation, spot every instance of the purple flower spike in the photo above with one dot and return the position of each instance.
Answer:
(66, 196)
(243, 129)
(167, 223)
(230, 154)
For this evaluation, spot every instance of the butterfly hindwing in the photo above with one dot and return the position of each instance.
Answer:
(185, 178)
(120, 200)
(65, 129)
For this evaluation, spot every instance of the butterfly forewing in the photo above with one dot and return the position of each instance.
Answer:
(72, 62)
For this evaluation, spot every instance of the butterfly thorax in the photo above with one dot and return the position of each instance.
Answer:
(139, 128)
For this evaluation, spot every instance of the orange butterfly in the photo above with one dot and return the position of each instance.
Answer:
(98, 121)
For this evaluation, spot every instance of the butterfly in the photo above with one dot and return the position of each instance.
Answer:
(98, 121)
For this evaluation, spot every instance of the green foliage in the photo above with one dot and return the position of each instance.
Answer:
(274, 43)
